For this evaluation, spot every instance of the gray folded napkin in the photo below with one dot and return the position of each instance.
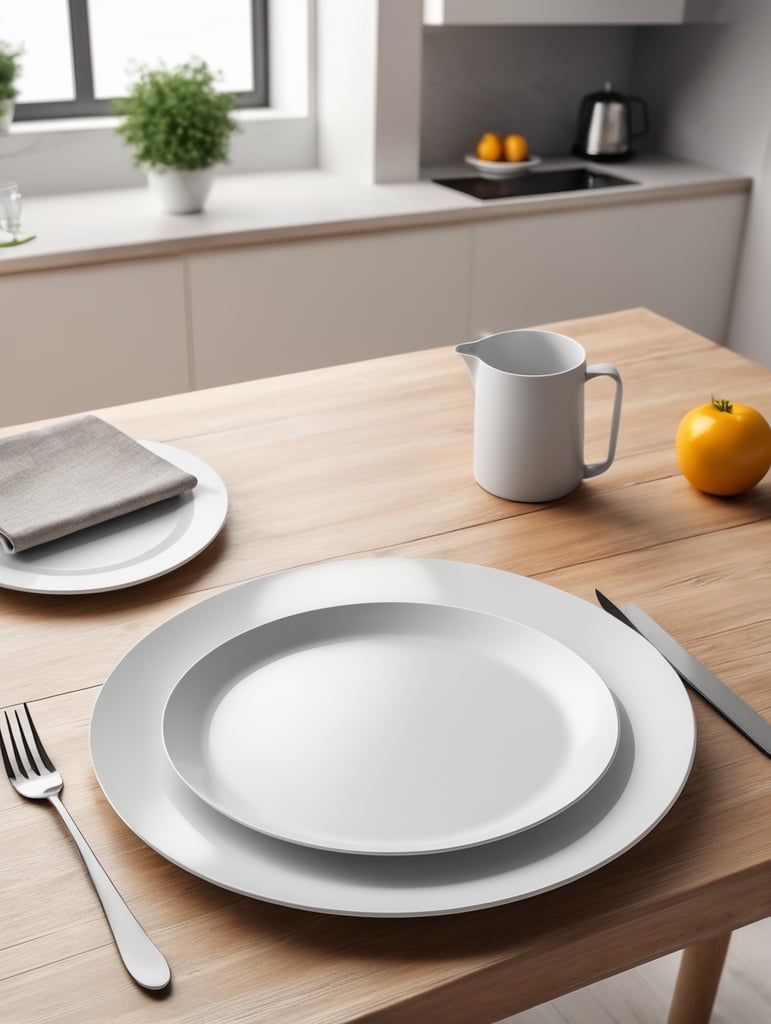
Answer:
(63, 478)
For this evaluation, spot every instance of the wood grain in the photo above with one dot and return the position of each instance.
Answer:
(374, 458)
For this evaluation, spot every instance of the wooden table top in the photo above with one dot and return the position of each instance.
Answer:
(374, 458)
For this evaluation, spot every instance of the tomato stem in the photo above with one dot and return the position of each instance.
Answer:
(722, 404)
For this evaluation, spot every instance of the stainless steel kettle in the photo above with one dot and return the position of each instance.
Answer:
(605, 129)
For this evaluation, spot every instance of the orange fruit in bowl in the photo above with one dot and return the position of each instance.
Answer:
(490, 147)
(515, 148)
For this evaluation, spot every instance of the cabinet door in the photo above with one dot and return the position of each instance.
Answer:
(89, 337)
(298, 305)
(676, 257)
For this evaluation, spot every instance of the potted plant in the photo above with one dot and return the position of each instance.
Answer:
(179, 126)
(9, 72)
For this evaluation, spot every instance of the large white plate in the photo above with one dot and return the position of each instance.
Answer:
(130, 549)
(391, 728)
(650, 768)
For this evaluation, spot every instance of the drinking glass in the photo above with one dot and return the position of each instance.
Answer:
(10, 207)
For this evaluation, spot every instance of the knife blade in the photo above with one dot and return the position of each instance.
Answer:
(729, 704)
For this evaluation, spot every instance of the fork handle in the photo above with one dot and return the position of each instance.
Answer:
(144, 961)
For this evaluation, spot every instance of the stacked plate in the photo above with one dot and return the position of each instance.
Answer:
(392, 737)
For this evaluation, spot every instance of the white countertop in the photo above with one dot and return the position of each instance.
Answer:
(90, 227)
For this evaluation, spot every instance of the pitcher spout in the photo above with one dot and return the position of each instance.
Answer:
(470, 358)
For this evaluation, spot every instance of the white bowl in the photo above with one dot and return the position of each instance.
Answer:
(494, 169)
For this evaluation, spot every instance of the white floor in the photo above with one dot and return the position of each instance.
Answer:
(642, 996)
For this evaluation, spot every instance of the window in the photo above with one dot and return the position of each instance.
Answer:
(79, 54)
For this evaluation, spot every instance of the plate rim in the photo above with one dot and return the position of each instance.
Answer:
(621, 809)
(210, 507)
(584, 777)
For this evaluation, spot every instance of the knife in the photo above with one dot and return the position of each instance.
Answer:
(729, 704)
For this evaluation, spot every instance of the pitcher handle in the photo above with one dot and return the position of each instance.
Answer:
(606, 370)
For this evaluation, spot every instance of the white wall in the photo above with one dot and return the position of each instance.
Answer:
(709, 88)
(368, 82)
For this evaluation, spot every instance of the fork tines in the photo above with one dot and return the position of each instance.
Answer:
(31, 761)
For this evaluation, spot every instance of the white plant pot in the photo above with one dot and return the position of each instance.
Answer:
(181, 191)
(6, 115)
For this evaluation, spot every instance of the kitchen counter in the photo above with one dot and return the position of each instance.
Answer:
(95, 227)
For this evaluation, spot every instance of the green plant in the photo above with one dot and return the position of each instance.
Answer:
(9, 71)
(175, 118)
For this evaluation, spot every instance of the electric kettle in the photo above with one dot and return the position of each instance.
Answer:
(605, 129)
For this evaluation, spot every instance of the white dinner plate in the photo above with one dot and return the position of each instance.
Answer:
(130, 549)
(390, 728)
(495, 169)
(645, 778)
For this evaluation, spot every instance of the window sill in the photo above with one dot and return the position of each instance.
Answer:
(59, 157)
(110, 123)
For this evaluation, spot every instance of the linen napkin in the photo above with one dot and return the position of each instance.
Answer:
(62, 478)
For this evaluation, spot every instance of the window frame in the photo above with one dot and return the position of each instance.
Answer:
(86, 105)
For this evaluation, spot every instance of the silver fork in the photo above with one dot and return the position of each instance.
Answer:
(34, 776)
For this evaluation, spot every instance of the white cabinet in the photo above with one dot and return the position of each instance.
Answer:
(570, 12)
(677, 257)
(278, 308)
(82, 338)
(89, 337)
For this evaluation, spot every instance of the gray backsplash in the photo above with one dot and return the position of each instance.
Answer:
(528, 80)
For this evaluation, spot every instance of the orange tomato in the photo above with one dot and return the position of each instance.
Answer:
(723, 447)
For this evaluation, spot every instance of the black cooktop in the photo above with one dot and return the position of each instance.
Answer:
(534, 184)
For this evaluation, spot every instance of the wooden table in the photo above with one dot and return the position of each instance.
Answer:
(375, 458)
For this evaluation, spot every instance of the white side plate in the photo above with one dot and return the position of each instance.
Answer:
(391, 728)
(130, 549)
(644, 780)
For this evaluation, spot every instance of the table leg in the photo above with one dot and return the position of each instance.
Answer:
(697, 980)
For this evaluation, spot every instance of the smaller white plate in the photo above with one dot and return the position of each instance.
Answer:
(130, 549)
(390, 728)
(494, 169)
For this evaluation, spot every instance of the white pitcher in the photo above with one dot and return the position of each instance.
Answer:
(529, 413)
